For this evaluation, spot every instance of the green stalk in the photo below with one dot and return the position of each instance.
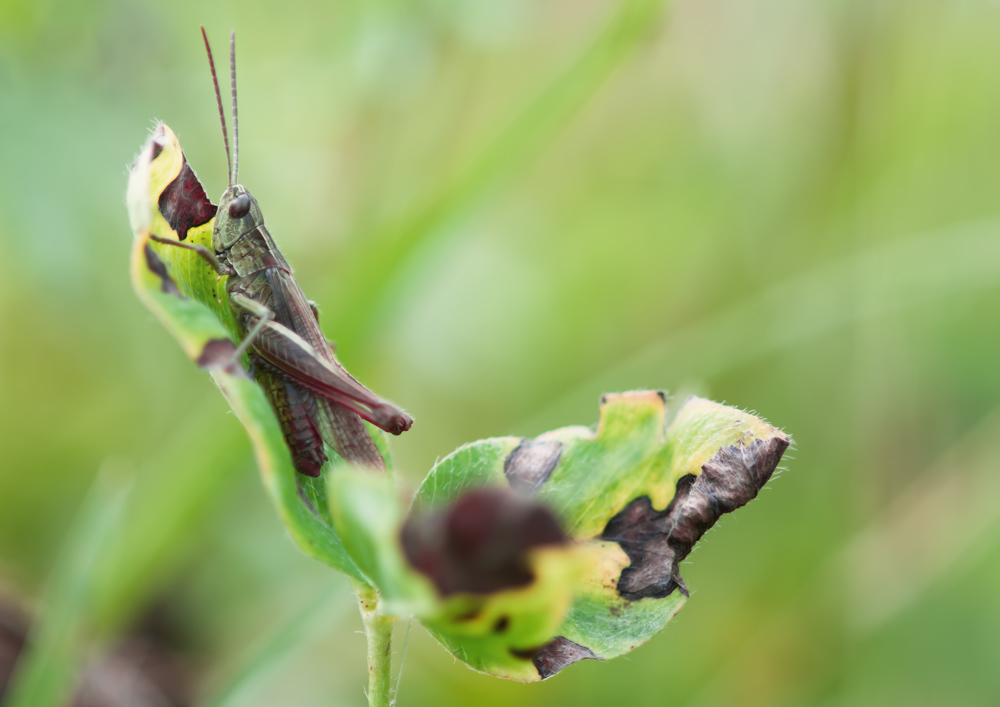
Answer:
(378, 629)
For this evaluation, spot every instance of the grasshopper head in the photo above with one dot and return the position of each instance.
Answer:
(238, 213)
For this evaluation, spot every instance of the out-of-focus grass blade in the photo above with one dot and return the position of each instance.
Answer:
(903, 274)
(317, 615)
(171, 502)
(927, 537)
(47, 670)
(364, 283)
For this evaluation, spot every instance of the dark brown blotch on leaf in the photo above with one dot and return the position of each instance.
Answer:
(656, 542)
(557, 654)
(479, 543)
(218, 354)
(184, 203)
(159, 268)
(530, 465)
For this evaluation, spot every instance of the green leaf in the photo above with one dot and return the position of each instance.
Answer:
(499, 633)
(185, 295)
(368, 515)
(613, 490)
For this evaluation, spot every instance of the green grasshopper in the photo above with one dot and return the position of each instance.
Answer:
(315, 398)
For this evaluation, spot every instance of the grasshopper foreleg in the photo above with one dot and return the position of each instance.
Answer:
(201, 250)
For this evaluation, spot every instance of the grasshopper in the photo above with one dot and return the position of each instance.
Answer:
(315, 398)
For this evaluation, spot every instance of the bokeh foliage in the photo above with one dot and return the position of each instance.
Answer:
(786, 206)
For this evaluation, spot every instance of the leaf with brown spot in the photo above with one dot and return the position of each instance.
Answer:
(638, 494)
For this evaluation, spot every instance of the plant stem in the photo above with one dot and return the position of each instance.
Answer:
(378, 628)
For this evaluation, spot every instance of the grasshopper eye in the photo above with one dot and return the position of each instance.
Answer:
(240, 206)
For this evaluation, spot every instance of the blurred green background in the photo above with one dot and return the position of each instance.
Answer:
(505, 208)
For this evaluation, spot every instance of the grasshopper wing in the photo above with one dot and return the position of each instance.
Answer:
(344, 431)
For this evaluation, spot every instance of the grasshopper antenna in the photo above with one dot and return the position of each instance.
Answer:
(236, 118)
(218, 99)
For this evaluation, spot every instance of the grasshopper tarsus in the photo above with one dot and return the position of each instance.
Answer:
(207, 255)
(397, 422)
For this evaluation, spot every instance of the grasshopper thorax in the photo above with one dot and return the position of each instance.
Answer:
(238, 214)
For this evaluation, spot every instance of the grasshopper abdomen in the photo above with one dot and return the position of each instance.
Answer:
(296, 410)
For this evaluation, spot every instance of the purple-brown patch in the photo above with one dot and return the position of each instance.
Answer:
(159, 268)
(479, 544)
(559, 653)
(219, 354)
(183, 202)
(657, 542)
(529, 466)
